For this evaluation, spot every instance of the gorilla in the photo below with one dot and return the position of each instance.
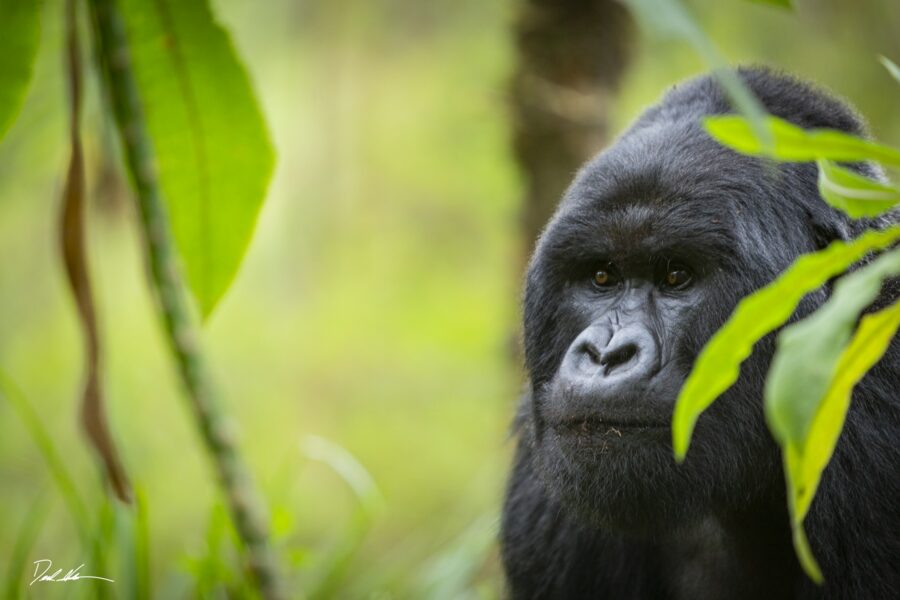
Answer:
(653, 245)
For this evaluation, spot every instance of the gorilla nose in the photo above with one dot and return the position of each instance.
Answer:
(627, 356)
(618, 356)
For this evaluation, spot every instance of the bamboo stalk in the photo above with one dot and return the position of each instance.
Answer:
(244, 501)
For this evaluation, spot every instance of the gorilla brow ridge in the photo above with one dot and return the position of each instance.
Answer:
(584, 241)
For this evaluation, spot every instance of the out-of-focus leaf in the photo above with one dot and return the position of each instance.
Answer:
(134, 547)
(779, 3)
(19, 37)
(62, 477)
(809, 351)
(334, 565)
(451, 574)
(806, 455)
(718, 365)
(805, 554)
(16, 573)
(795, 144)
(74, 251)
(868, 345)
(891, 66)
(348, 468)
(213, 150)
(856, 195)
(669, 18)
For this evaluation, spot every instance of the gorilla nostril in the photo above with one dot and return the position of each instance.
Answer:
(618, 357)
(592, 352)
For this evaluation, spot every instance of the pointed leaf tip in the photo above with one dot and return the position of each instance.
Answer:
(213, 150)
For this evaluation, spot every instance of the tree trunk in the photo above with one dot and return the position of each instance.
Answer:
(572, 55)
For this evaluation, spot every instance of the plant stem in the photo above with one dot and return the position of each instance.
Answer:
(245, 503)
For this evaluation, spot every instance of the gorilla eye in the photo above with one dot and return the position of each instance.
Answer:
(677, 277)
(605, 277)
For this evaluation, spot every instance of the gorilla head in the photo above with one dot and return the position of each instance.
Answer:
(653, 245)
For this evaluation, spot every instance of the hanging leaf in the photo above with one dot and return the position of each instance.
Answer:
(868, 345)
(856, 195)
(718, 365)
(795, 144)
(74, 251)
(808, 351)
(810, 383)
(805, 554)
(20, 33)
(213, 150)
(804, 463)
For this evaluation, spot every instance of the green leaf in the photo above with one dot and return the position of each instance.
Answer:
(213, 150)
(670, 18)
(811, 455)
(892, 67)
(805, 555)
(809, 351)
(795, 144)
(806, 459)
(856, 195)
(20, 33)
(718, 365)
(47, 446)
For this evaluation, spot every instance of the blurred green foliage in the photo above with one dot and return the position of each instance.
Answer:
(377, 302)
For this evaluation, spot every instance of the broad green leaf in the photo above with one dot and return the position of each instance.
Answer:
(856, 195)
(19, 37)
(757, 315)
(891, 66)
(868, 345)
(213, 150)
(671, 18)
(808, 351)
(804, 462)
(795, 144)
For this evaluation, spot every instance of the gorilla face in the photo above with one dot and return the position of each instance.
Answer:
(651, 250)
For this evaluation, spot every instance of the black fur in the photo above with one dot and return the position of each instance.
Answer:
(596, 506)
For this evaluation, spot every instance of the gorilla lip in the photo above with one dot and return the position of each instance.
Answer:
(599, 425)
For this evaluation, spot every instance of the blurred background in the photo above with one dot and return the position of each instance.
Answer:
(421, 145)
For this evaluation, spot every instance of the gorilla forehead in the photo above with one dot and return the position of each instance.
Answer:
(640, 198)
(667, 186)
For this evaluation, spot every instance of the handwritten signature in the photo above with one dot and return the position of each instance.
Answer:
(43, 566)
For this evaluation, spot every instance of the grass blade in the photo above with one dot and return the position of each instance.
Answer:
(16, 574)
(42, 439)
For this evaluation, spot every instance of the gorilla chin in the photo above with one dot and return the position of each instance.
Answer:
(609, 464)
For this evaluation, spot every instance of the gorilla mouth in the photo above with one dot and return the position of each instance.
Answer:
(594, 424)
(577, 414)
(605, 426)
